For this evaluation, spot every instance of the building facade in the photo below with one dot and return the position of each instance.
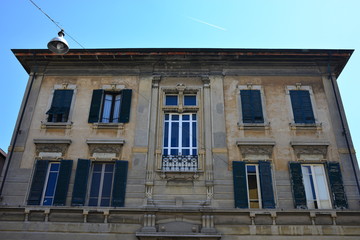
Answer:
(181, 144)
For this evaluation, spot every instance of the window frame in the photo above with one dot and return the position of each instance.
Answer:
(241, 124)
(313, 106)
(258, 185)
(113, 94)
(46, 183)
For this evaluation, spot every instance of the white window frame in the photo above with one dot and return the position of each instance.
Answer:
(47, 182)
(321, 203)
(257, 182)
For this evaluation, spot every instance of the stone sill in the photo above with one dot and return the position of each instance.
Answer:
(306, 126)
(254, 126)
(56, 125)
(108, 126)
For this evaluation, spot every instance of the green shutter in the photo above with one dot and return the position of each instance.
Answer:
(80, 183)
(298, 188)
(61, 102)
(257, 106)
(38, 181)
(301, 105)
(267, 192)
(337, 186)
(308, 113)
(240, 188)
(251, 106)
(246, 106)
(63, 180)
(125, 105)
(119, 188)
(95, 107)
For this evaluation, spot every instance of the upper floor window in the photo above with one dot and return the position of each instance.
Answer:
(60, 105)
(251, 106)
(302, 106)
(110, 106)
(253, 185)
(173, 100)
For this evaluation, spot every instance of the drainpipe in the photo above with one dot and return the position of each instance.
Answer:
(9, 158)
(344, 130)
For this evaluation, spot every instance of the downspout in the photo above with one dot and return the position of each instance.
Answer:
(17, 131)
(344, 130)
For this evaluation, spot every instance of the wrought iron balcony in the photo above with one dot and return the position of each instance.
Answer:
(180, 163)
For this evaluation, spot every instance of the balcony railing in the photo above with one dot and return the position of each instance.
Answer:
(180, 163)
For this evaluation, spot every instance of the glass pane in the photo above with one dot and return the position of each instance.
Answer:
(93, 201)
(166, 135)
(186, 117)
(54, 166)
(116, 109)
(166, 116)
(109, 167)
(171, 100)
(185, 152)
(194, 140)
(194, 117)
(50, 188)
(253, 190)
(175, 134)
(106, 191)
(190, 100)
(185, 134)
(254, 204)
(95, 184)
(174, 152)
(175, 117)
(107, 108)
(251, 169)
(105, 202)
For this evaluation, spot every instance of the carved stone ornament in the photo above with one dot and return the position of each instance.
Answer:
(249, 149)
(51, 145)
(311, 149)
(105, 148)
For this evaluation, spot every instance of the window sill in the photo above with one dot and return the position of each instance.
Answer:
(254, 126)
(179, 176)
(56, 125)
(108, 126)
(306, 126)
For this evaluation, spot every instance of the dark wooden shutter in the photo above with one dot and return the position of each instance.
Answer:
(125, 108)
(63, 180)
(301, 105)
(246, 106)
(297, 185)
(119, 188)
(95, 107)
(80, 183)
(267, 192)
(240, 188)
(61, 102)
(257, 106)
(37, 185)
(337, 186)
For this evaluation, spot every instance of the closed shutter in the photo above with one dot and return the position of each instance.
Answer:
(95, 107)
(63, 180)
(38, 181)
(302, 107)
(267, 192)
(80, 183)
(240, 188)
(125, 107)
(337, 186)
(246, 106)
(61, 102)
(251, 106)
(297, 185)
(119, 187)
(257, 106)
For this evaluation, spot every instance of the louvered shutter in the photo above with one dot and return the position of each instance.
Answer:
(267, 192)
(63, 180)
(297, 184)
(125, 107)
(257, 106)
(302, 107)
(37, 185)
(308, 113)
(246, 106)
(95, 107)
(61, 102)
(119, 187)
(240, 188)
(80, 183)
(336, 184)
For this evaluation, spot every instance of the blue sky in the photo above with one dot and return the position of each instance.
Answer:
(309, 24)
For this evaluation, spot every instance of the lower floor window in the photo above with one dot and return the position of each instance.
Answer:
(52, 178)
(253, 185)
(101, 184)
(316, 187)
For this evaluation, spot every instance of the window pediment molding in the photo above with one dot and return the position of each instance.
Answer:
(105, 148)
(256, 150)
(310, 150)
(52, 146)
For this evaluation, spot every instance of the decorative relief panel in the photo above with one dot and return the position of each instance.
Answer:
(105, 148)
(256, 150)
(310, 150)
(51, 147)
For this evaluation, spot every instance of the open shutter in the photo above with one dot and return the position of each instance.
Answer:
(119, 188)
(297, 185)
(308, 113)
(257, 106)
(80, 184)
(38, 181)
(246, 106)
(267, 192)
(95, 106)
(125, 105)
(337, 186)
(240, 189)
(62, 185)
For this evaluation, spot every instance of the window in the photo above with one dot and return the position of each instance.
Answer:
(50, 183)
(173, 100)
(110, 106)
(251, 106)
(316, 188)
(106, 183)
(253, 185)
(60, 106)
(310, 185)
(301, 106)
